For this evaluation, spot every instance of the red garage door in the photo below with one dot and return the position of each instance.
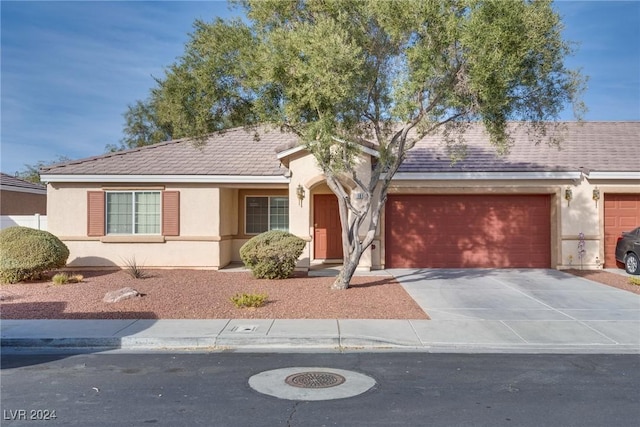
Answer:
(621, 213)
(466, 231)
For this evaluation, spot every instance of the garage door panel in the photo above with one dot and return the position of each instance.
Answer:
(468, 231)
(621, 213)
(628, 222)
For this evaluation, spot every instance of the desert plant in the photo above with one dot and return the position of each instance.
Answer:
(272, 255)
(581, 248)
(26, 253)
(64, 278)
(249, 300)
(60, 279)
(133, 269)
(634, 281)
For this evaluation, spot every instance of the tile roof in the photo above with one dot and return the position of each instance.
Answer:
(11, 182)
(595, 146)
(233, 152)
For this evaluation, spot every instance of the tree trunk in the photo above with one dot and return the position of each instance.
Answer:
(350, 263)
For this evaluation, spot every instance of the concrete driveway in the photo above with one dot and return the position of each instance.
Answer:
(529, 306)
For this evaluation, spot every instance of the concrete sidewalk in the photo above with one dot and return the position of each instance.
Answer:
(472, 311)
(329, 335)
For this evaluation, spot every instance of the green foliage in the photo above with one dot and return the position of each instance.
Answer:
(272, 255)
(142, 127)
(26, 253)
(31, 172)
(133, 269)
(249, 300)
(354, 67)
(634, 281)
(205, 91)
(64, 278)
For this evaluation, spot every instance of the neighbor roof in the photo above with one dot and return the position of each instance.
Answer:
(584, 146)
(11, 183)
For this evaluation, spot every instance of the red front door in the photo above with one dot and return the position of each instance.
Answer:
(327, 229)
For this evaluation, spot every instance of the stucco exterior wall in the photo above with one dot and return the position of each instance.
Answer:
(171, 254)
(584, 215)
(579, 215)
(212, 226)
(209, 221)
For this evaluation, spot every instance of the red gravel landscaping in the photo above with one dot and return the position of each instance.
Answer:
(205, 294)
(202, 294)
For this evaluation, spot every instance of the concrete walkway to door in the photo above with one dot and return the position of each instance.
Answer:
(529, 308)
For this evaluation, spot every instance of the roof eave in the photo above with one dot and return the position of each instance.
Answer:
(208, 179)
(19, 189)
(490, 176)
(615, 175)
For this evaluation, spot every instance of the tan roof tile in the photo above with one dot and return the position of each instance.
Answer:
(595, 146)
(232, 152)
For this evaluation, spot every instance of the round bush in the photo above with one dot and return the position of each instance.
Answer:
(25, 253)
(272, 255)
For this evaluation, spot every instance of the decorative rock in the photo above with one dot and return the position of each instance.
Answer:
(5, 296)
(120, 295)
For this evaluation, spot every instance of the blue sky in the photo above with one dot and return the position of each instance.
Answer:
(69, 69)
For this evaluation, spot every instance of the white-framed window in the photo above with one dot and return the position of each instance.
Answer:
(133, 212)
(264, 213)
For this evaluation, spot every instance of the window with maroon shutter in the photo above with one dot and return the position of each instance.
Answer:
(132, 213)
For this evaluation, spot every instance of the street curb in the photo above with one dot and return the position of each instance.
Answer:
(352, 344)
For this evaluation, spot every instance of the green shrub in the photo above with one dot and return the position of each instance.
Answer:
(26, 253)
(60, 279)
(272, 255)
(249, 300)
(634, 281)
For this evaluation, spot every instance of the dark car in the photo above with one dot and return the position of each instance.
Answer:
(628, 251)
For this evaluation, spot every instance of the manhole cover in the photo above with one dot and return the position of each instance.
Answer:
(314, 380)
(311, 383)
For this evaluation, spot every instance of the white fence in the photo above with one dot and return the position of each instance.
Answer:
(37, 221)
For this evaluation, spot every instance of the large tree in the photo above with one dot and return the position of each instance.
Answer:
(31, 172)
(142, 126)
(345, 74)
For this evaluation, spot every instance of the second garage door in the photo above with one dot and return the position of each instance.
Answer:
(621, 213)
(467, 231)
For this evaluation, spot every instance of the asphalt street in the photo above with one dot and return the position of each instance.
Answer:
(410, 389)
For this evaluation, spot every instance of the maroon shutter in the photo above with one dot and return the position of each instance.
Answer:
(170, 213)
(95, 213)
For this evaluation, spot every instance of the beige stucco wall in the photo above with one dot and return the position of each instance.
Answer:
(209, 224)
(580, 215)
(212, 218)
(583, 215)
